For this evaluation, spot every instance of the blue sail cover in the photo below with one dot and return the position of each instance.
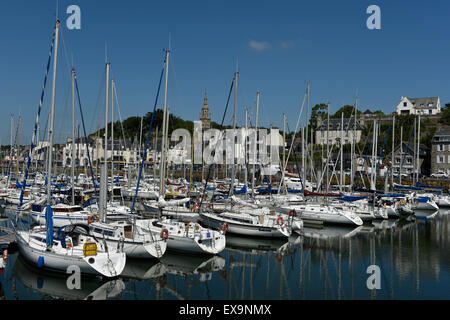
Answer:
(351, 198)
(401, 187)
(393, 195)
(420, 185)
(20, 186)
(242, 191)
(49, 225)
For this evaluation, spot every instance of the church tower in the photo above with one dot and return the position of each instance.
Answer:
(204, 116)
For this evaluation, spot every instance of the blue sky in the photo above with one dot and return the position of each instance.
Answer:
(279, 46)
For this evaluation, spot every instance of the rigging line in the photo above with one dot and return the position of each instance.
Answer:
(100, 95)
(33, 139)
(218, 140)
(85, 136)
(123, 142)
(147, 142)
(406, 151)
(292, 144)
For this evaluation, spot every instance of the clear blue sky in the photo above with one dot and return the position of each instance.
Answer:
(279, 46)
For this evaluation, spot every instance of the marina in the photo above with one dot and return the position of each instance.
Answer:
(317, 201)
(321, 264)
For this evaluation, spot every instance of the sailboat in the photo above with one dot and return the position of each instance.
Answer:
(72, 245)
(135, 241)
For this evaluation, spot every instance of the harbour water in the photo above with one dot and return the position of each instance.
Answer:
(325, 263)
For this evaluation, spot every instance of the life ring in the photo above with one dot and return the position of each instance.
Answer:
(280, 220)
(164, 234)
(92, 218)
(292, 213)
(225, 227)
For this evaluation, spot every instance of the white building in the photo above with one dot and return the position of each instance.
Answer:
(422, 106)
(335, 132)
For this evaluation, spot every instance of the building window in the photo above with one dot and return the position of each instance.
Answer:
(441, 159)
(405, 104)
(430, 112)
(440, 147)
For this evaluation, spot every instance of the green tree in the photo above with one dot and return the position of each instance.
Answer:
(445, 115)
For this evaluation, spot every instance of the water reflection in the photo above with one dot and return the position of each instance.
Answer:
(54, 286)
(321, 263)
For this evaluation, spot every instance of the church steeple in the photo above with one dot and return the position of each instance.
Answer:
(204, 116)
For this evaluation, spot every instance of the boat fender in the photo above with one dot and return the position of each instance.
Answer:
(164, 234)
(225, 227)
(40, 262)
(292, 213)
(92, 218)
(280, 220)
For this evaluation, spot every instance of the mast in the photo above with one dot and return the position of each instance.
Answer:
(401, 154)
(104, 169)
(18, 147)
(418, 149)
(414, 148)
(73, 137)
(162, 161)
(112, 137)
(52, 116)
(342, 149)
(392, 156)
(284, 150)
(245, 147)
(353, 148)
(236, 76)
(255, 158)
(328, 143)
(306, 134)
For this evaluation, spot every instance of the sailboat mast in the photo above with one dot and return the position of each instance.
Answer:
(418, 149)
(112, 135)
(306, 135)
(284, 150)
(236, 76)
(328, 143)
(245, 146)
(255, 158)
(342, 150)
(52, 116)
(73, 137)
(104, 179)
(162, 161)
(392, 156)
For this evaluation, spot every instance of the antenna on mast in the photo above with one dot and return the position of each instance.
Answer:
(106, 52)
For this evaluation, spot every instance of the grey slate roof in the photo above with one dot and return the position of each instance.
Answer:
(424, 103)
(335, 124)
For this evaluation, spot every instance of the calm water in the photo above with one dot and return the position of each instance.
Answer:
(328, 263)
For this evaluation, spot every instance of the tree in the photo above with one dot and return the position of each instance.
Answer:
(347, 110)
(316, 111)
(445, 115)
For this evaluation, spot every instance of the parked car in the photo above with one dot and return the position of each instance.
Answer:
(439, 175)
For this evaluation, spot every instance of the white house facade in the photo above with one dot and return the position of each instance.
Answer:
(416, 106)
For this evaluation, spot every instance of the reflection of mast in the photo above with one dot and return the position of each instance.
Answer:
(392, 265)
(350, 264)
(372, 262)
(339, 267)
(416, 247)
